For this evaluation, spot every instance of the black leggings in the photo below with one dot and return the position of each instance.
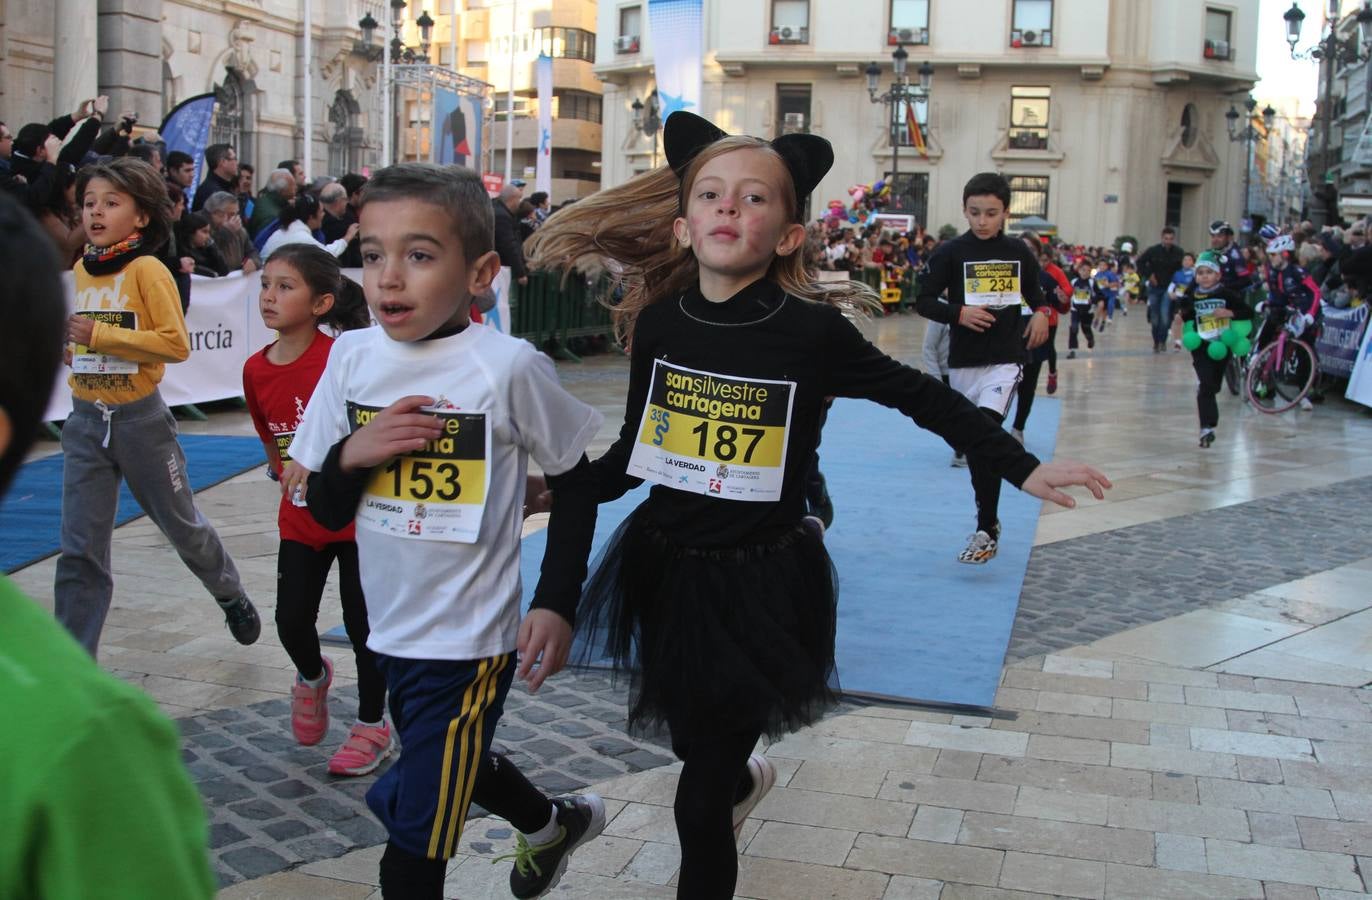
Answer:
(1052, 350)
(986, 482)
(1081, 318)
(500, 788)
(1024, 396)
(301, 572)
(1210, 378)
(714, 777)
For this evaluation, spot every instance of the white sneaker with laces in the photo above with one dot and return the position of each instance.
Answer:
(981, 548)
(1306, 405)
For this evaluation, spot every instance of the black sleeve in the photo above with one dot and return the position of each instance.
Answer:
(333, 495)
(215, 259)
(110, 142)
(77, 148)
(1186, 305)
(933, 281)
(61, 125)
(571, 528)
(1030, 287)
(1144, 265)
(858, 369)
(613, 481)
(1239, 305)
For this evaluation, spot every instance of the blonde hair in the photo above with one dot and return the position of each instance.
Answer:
(628, 230)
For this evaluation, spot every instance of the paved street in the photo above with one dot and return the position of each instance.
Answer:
(1184, 711)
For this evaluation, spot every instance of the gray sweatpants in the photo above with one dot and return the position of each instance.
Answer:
(136, 442)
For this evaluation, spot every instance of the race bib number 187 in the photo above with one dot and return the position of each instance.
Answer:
(714, 434)
(436, 493)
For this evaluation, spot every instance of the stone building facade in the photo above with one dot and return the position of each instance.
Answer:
(1107, 115)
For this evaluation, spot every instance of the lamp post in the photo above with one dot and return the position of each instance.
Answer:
(648, 119)
(1330, 49)
(1247, 134)
(899, 96)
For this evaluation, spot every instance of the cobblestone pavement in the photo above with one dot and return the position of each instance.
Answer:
(273, 806)
(1078, 591)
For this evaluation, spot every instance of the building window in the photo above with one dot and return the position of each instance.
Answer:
(565, 43)
(577, 105)
(1188, 127)
(1029, 118)
(1028, 196)
(901, 132)
(1217, 24)
(790, 22)
(476, 53)
(909, 22)
(345, 141)
(793, 108)
(1032, 24)
(227, 125)
(630, 27)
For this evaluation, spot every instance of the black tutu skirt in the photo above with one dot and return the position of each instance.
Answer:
(714, 640)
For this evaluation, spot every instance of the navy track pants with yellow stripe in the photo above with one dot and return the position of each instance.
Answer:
(445, 712)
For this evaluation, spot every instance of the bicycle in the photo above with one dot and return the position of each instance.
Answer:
(1284, 372)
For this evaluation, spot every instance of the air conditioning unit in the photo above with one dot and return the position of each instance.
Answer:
(1030, 39)
(788, 35)
(1217, 50)
(1028, 140)
(792, 123)
(626, 43)
(907, 36)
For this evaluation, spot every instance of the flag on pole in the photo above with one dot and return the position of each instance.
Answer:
(187, 128)
(916, 133)
(543, 73)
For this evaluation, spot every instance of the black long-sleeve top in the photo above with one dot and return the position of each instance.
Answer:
(762, 333)
(1197, 299)
(954, 267)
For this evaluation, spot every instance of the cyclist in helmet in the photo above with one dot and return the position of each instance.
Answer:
(1234, 273)
(1293, 298)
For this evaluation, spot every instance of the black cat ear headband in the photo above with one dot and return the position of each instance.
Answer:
(808, 157)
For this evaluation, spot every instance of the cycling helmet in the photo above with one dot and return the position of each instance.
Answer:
(1282, 243)
(1219, 226)
(1268, 232)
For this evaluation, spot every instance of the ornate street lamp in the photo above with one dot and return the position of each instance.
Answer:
(900, 95)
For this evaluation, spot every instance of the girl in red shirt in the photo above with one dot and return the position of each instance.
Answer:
(302, 286)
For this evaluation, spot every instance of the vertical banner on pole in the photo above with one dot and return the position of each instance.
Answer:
(676, 30)
(452, 120)
(543, 75)
(187, 128)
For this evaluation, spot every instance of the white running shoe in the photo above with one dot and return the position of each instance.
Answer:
(1306, 405)
(764, 775)
(959, 461)
(981, 548)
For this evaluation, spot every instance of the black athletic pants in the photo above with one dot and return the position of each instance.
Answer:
(1081, 318)
(500, 789)
(1024, 394)
(986, 483)
(1210, 378)
(301, 572)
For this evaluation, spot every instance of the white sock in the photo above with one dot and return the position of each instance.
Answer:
(371, 724)
(546, 834)
(314, 682)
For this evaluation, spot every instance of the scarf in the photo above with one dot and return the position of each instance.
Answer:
(107, 260)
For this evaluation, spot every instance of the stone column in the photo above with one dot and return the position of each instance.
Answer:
(130, 61)
(74, 53)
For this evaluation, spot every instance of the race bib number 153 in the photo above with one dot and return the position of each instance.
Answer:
(436, 493)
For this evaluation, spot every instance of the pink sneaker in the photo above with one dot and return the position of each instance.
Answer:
(363, 751)
(310, 707)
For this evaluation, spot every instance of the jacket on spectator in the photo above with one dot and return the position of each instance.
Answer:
(210, 185)
(507, 243)
(1160, 261)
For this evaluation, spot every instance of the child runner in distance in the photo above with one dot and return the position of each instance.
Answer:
(303, 287)
(1051, 288)
(422, 429)
(1085, 295)
(1176, 290)
(128, 325)
(1057, 288)
(990, 279)
(1130, 284)
(1211, 309)
(1108, 282)
(712, 585)
(96, 800)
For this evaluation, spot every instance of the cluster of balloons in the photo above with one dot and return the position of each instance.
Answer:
(866, 199)
(1237, 338)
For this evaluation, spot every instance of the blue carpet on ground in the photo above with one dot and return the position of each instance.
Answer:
(914, 624)
(31, 512)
